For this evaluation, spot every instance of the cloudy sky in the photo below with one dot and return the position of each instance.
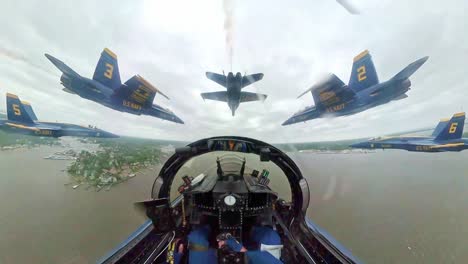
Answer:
(294, 43)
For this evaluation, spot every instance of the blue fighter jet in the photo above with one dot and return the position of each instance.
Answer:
(447, 136)
(333, 98)
(234, 84)
(135, 96)
(21, 119)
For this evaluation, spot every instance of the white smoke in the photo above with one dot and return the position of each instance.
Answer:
(228, 8)
(14, 55)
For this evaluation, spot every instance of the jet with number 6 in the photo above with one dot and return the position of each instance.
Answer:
(447, 136)
(21, 119)
(334, 98)
(135, 96)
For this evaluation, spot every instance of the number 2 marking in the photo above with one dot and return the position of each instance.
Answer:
(16, 109)
(109, 71)
(453, 128)
(361, 73)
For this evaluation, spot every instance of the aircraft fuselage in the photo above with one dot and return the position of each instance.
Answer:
(419, 144)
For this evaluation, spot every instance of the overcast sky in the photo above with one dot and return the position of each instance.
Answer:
(294, 43)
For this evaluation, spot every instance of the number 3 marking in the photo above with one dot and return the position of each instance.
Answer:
(16, 109)
(109, 70)
(361, 73)
(453, 128)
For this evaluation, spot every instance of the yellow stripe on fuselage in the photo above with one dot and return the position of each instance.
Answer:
(22, 126)
(459, 114)
(112, 54)
(25, 103)
(360, 55)
(445, 120)
(452, 145)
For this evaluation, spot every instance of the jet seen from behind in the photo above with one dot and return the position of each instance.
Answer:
(333, 98)
(23, 120)
(447, 136)
(234, 84)
(135, 96)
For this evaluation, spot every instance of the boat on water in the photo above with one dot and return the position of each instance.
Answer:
(230, 187)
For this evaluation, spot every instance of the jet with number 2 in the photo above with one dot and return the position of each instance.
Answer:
(447, 136)
(135, 96)
(334, 98)
(21, 119)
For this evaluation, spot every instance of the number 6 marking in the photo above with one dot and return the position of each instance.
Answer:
(453, 128)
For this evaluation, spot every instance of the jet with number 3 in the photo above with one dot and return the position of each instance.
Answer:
(447, 136)
(135, 96)
(21, 119)
(334, 98)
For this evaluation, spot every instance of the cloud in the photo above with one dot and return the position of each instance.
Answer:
(292, 44)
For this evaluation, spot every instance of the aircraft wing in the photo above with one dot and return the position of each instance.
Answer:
(330, 81)
(250, 97)
(249, 79)
(217, 78)
(410, 69)
(217, 96)
(61, 65)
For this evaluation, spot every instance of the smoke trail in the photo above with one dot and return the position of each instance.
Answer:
(19, 57)
(228, 7)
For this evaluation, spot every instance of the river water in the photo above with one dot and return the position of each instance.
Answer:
(386, 207)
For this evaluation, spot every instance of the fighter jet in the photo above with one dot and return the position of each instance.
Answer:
(135, 96)
(333, 98)
(21, 119)
(447, 136)
(234, 84)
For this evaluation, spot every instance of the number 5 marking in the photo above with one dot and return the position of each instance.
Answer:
(109, 70)
(16, 109)
(361, 73)
(453, 128)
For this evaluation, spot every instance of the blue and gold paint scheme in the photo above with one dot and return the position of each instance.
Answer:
(234, 84)
(333, 97)
(135, 96)
(447, 136)
(21, 119)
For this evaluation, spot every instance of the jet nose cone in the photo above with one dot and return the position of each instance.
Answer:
(50, 57)
(105, 134)
(422, 60)
(176, 119)
(287, 122)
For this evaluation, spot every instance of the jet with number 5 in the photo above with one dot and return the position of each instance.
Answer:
(447, 136)
(334, 98)
(135, 96)
(21, 119)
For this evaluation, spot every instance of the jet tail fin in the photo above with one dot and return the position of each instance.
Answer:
(453, 129)
(410, 69)
(16, 110)
(27, 106)
(440, 126)
(363, 73)
(217, 78)
(329, 92)
(138, 91)
(107, 70)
